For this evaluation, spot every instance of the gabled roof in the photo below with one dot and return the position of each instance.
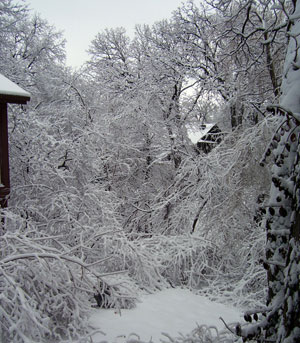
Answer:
(11, 92)
(196, 132)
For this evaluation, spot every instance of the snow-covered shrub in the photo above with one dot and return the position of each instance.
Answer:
(239, 278)
(201, 334)
(206, 227)
(183, 260)
(47, 287)
(137, 257)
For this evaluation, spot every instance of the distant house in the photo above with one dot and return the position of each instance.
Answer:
(205, 136)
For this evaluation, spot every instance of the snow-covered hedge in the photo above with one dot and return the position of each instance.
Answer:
(47, 287)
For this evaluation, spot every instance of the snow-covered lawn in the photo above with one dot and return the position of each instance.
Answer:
(172, 311)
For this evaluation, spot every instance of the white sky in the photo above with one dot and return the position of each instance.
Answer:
(81, 20)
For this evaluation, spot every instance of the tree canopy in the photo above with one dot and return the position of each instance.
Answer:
(109, 194)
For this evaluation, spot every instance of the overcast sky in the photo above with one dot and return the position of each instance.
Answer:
(81, 20)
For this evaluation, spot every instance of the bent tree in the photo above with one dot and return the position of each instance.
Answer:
(282, 321)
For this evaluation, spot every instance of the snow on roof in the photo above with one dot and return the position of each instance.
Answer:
(197, 132)
(8, 87)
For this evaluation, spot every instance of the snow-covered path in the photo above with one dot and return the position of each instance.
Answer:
(172, 311)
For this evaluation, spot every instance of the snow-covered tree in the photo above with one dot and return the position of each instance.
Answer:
(234, 54)
(54, 231)
(105, 179)
(281, 323)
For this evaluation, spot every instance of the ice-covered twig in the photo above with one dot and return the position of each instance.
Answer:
(227, 327)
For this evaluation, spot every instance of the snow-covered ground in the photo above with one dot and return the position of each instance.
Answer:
(172, 311)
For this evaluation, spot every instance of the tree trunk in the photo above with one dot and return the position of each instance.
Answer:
(282, 324)
(236, 116)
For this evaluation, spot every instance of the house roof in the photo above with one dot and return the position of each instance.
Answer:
(10, 92)
(197, 132)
